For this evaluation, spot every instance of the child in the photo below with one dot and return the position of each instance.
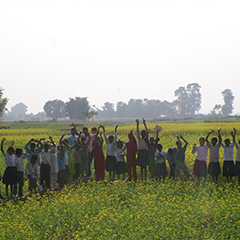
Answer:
(228, 164)
(200, 166)
(31, 171)
(142, 159)
(20, 169)
(121, 164)
(152, 146)
(31, 149)
(99, 157)
(171, 157)
(10, 174)
(73, 138)
(214, 166)
(45, 167)
(54, 167)
(180, 159)
(160, 158)
(111, 161)
(237, 166)
(84, 156)
(131, 156)
(61, 176)
(77, 161)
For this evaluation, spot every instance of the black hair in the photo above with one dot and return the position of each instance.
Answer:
(18, 151)
(34, 157)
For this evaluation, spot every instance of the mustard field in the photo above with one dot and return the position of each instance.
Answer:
(126, 210)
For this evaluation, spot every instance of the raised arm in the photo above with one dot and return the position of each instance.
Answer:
(210, 132)
(3, 140)
(186, 143)
(138, 134)
(60, 141)
(233, 134)
(157, 139)
(115, 136)
(219, 135)
(53, 143)
(146, 129)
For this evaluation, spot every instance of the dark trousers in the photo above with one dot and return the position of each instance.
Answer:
(89, 163)
(20, 185)
(45, 174)
(172, 171)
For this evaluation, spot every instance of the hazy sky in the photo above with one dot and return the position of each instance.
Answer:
(118, 49)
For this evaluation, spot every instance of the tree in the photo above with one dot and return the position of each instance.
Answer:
(76, 108)
(55, 109)
(90, 114)
(3, 103)
(188, 100)
(217, 110)
(18, 111)
(228, 98)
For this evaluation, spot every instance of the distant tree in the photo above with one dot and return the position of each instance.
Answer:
(55, 109)
(121, 109)
(90, 114)
(217, 110)
(188, 100)
(18, 111)
(3, 103)
(75, 108)
(228, 98)
(107, 110)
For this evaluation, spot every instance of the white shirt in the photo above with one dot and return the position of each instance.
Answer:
(20, 163)
(53, 163)
(111, 147)
(10, 160)
(46, 156)
(66, 158)
(120, 154)
(30, 168)
(238, 152)
(89, 146)
(160, 157)
(214, 152)
(202, 152)
(228, 152)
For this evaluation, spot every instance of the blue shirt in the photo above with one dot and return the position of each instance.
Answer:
(71, 140)
(61, 165)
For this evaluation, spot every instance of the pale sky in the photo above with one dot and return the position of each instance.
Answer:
(116, 50)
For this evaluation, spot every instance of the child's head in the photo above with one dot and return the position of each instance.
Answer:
(32, 146)
(159, 147)
(110, 138)
(85, 130)
(214, 141)
(94, 130)
(46, 146)
(83, 138)
(10, 150)
(179, 143)
(19, 152)
(151, 140)
(201, 141)
(227, 142)
(33, 159)
(73, 131)
(170, 151)
(143, 133)
(119, 144)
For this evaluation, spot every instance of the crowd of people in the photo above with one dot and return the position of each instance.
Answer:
(71, 159)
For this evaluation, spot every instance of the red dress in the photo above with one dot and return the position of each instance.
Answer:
(100, 161)
(131, 159)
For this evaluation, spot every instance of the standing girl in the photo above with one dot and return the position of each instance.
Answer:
(237, 166)
(228, 163)
(152, 147)
(142, 159)
(160, 158)
(111, 161)
(200, 166)
(121, 164)
(214, 166)
(99, 156)
(131, 156)
(10, 174)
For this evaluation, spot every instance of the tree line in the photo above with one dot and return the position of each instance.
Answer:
(186, 105)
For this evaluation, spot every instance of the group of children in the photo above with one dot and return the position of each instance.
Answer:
(71, 159)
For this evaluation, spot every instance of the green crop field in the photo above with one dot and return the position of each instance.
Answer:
(126, 210)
